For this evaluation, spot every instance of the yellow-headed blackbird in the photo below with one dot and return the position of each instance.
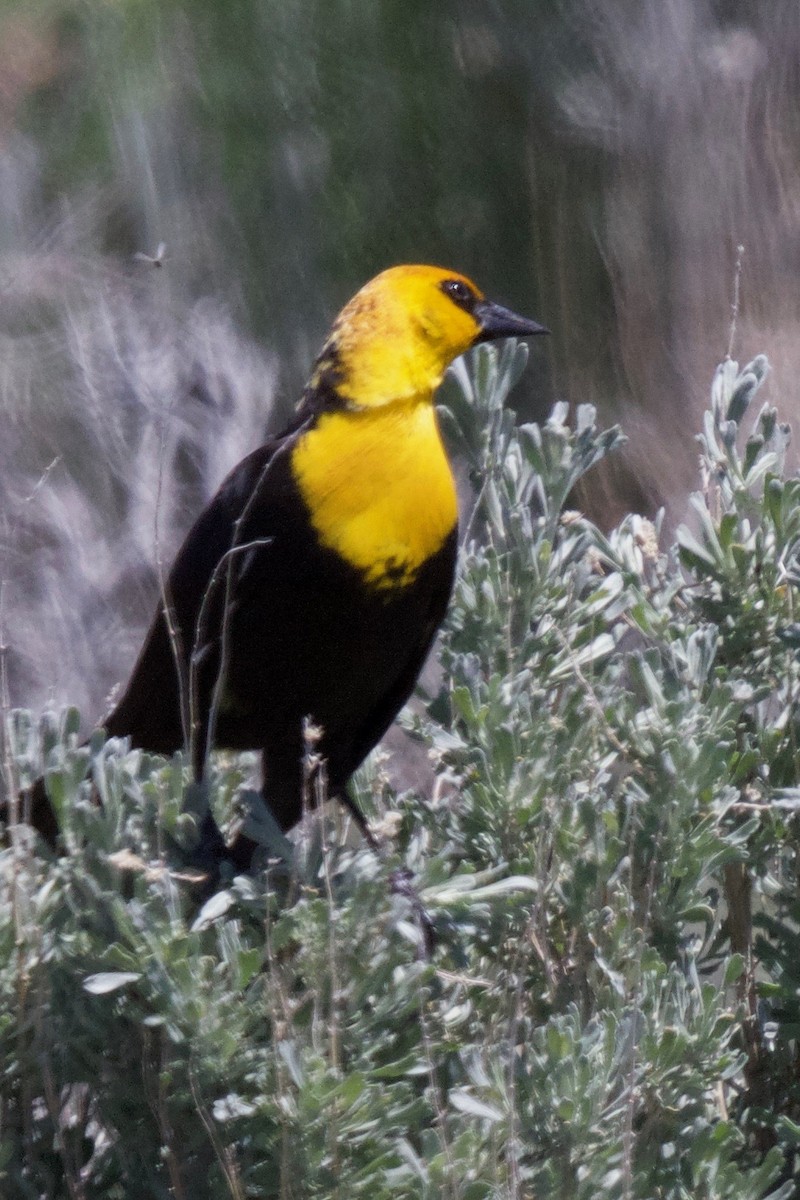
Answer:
(314, 582)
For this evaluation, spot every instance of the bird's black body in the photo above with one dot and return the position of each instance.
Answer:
(313, 584)
(303, 637)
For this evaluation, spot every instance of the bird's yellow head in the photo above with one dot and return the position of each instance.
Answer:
(395, 339)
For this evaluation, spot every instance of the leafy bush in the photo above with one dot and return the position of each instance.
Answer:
(608, 852)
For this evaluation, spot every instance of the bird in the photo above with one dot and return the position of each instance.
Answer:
(309, 591)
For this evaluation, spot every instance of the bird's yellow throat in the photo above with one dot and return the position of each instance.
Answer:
(378, 488)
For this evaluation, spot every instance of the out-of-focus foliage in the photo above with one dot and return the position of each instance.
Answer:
(593, 165)
(609, 854)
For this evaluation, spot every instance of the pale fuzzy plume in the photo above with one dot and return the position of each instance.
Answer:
(123, 422)
(696, 119)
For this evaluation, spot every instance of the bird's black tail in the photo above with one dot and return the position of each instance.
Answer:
(35, 808)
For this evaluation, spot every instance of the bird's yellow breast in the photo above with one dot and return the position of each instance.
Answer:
(378, 488)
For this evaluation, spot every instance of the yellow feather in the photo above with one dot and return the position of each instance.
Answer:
(378, 488)
(373, 473)
(397, 336)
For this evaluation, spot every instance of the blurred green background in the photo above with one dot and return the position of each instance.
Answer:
(595, 166)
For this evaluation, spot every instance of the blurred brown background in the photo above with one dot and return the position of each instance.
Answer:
(190, 189)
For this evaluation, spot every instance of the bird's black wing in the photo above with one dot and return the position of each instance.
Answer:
(154, 711)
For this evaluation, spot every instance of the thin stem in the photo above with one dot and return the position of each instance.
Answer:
(737, 276)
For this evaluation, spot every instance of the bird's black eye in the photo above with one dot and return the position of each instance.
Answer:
(458, 291)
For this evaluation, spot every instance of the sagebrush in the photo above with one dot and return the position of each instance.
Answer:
(608, 850)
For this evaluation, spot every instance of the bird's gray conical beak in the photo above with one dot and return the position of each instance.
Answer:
(498, 322)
